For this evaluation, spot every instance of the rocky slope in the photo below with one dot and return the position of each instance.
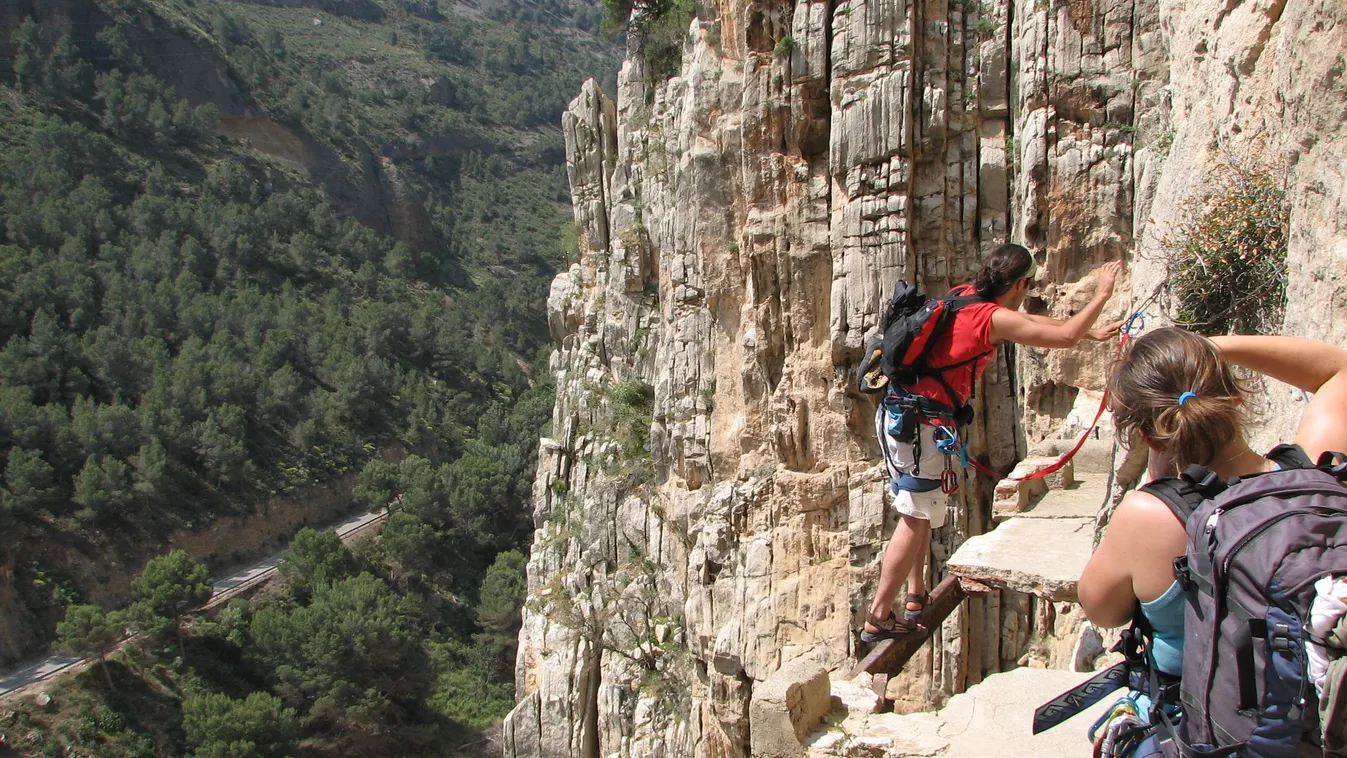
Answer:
(709, 503)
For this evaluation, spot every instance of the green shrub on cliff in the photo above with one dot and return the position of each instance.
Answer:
(1227, 260)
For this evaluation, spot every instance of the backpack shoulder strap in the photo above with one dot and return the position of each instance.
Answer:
(1292, 456)
(1183, 494)
(955, 302)
(1334, 463)
(1178, 494)
(1289, 456)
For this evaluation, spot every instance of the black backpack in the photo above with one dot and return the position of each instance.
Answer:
(1256, 545)
(912, 323)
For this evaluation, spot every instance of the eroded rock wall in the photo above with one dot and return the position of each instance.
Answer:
(1260, 84)
(709, 502)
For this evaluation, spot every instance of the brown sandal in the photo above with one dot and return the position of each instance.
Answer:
(915, 599)
(892, 628)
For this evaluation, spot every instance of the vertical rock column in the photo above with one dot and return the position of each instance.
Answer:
(1072, 164)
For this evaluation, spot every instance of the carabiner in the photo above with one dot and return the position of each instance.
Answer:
(949, 479)
(1135, 323)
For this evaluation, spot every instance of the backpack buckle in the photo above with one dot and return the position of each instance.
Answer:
(1204, 480)
(1182, 574)
(1280, 639)
(1334, 463)
(1169, 692)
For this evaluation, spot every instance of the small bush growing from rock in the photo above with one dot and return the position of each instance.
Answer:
(1226, 264)
(658, 25)
(633, 409)
(662, 38)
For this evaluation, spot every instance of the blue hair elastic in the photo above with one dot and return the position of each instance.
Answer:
(1185, 397)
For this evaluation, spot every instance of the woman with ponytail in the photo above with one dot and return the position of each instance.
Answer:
(1177, 393)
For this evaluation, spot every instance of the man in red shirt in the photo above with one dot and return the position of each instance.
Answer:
(915, 464)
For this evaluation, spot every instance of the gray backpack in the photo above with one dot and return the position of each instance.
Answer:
(1256, 545)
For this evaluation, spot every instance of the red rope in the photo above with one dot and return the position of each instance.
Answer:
(1129, 330)
(1054, 468)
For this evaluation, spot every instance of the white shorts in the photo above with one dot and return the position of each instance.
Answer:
(901, 458)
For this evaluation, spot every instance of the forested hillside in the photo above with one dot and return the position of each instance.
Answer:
(252, 248)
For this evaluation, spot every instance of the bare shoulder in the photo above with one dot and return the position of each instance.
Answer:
(1323, 423)
(1144, 513)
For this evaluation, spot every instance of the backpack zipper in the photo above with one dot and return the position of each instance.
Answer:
(1209, 533)
(1337, 491)
(1321, 510)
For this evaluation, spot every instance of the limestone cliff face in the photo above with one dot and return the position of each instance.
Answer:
(709, 504)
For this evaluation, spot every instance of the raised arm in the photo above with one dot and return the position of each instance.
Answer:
(1098, 334)
(1041, 331)
(1309, 365)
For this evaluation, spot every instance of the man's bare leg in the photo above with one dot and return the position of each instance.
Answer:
(911, 537)
(916, 576)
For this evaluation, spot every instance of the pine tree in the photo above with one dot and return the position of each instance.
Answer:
(87, 630)
(221, 727)
(167, 586)
(30, 59)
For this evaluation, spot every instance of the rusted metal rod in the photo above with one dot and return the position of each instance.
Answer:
(889, 656)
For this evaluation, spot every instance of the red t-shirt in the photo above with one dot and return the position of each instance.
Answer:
(970, 334)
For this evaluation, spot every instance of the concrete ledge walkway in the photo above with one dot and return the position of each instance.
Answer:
(991, 720)
(1042, 557)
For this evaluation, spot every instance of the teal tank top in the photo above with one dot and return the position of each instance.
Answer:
(1166, 616)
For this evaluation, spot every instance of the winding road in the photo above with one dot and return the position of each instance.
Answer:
(223, 589)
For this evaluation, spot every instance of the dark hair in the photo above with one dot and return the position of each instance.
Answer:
(1005, 265)
(1145, 387)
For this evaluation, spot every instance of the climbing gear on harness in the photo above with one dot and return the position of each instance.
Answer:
(949, 445)
(949, 481)
(1116, 733)
(1126, 706)
(901, 420)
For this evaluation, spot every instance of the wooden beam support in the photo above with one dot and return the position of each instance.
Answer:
(889, 656)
